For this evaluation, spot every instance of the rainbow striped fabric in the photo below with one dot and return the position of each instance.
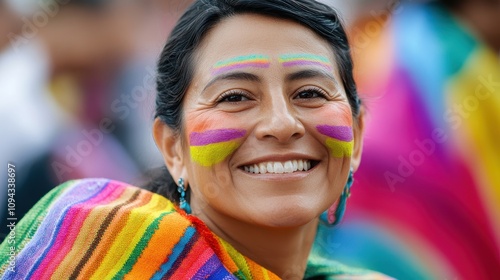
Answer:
(103, 229)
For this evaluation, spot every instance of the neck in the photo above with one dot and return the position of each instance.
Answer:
(283, 251)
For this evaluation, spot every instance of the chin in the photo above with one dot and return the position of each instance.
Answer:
(288, 217)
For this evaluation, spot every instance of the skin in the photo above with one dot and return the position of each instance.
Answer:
(270, 218)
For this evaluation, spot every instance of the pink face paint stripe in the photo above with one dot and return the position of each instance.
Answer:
(306, 62)
(240, 65)
(288, 60)
(214, 136)
(342, 133)
(253, 60)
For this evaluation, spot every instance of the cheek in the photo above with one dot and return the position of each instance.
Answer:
(334, 124)
(213, 139)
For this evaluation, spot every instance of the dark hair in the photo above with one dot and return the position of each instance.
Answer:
(90, 4)
(175, 66)
(451, 3)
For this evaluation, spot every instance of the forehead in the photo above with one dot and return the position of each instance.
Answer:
(255, 34)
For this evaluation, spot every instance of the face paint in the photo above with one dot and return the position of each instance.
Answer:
(340, 139)
(290, 60)
(255, 60)
(213, 146)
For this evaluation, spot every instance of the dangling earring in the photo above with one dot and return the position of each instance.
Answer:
(183, 204)
(336, 211)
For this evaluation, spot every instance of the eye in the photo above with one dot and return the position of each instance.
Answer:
(310, 93)
(233, 97)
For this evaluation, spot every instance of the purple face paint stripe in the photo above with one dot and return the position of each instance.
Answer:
(342, 133)
(306, 62)
(214, 136)
(238, 66)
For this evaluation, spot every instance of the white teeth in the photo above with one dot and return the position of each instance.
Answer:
(289, 166)
(270, 167)
(262, 168)
(278, 167)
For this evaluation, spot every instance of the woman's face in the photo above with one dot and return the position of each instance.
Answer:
(267, 127)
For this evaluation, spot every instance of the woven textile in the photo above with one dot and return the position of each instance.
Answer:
(103, 229)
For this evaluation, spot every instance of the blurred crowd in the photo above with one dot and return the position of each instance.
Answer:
(78, 87)
(77, 81)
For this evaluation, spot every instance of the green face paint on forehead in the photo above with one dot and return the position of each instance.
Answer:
(291, 60)
(253, 60)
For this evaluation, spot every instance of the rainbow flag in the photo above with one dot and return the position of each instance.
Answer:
(426, 199)
(104, 229)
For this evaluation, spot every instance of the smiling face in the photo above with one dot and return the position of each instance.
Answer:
(267, 134)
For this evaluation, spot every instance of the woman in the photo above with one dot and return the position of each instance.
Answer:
(259, 123)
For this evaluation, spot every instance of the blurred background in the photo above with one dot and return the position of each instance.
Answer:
(77, 98)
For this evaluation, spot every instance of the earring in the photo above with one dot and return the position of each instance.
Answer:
(336, 211)
(183, 204)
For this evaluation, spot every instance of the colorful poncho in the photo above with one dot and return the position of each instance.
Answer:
(103, 229)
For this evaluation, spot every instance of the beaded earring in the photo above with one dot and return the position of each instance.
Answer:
(183, 204)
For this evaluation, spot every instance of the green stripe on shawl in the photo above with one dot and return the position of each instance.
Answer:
(27, 226)
(150, 231)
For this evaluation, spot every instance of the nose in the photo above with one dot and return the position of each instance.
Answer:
(279, 120)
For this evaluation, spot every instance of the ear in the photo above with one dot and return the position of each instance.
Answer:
(170, 146)
(358, 139)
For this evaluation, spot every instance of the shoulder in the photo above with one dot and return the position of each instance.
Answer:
(101, 198)
(100, 217)
(101, 194)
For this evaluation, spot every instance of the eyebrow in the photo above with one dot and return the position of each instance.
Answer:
(299, 75)
(311, 73)
(234, 76)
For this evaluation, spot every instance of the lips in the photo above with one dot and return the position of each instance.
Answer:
(280, 167)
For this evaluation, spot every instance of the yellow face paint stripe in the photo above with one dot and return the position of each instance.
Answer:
(339, 149)
(211, 154)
